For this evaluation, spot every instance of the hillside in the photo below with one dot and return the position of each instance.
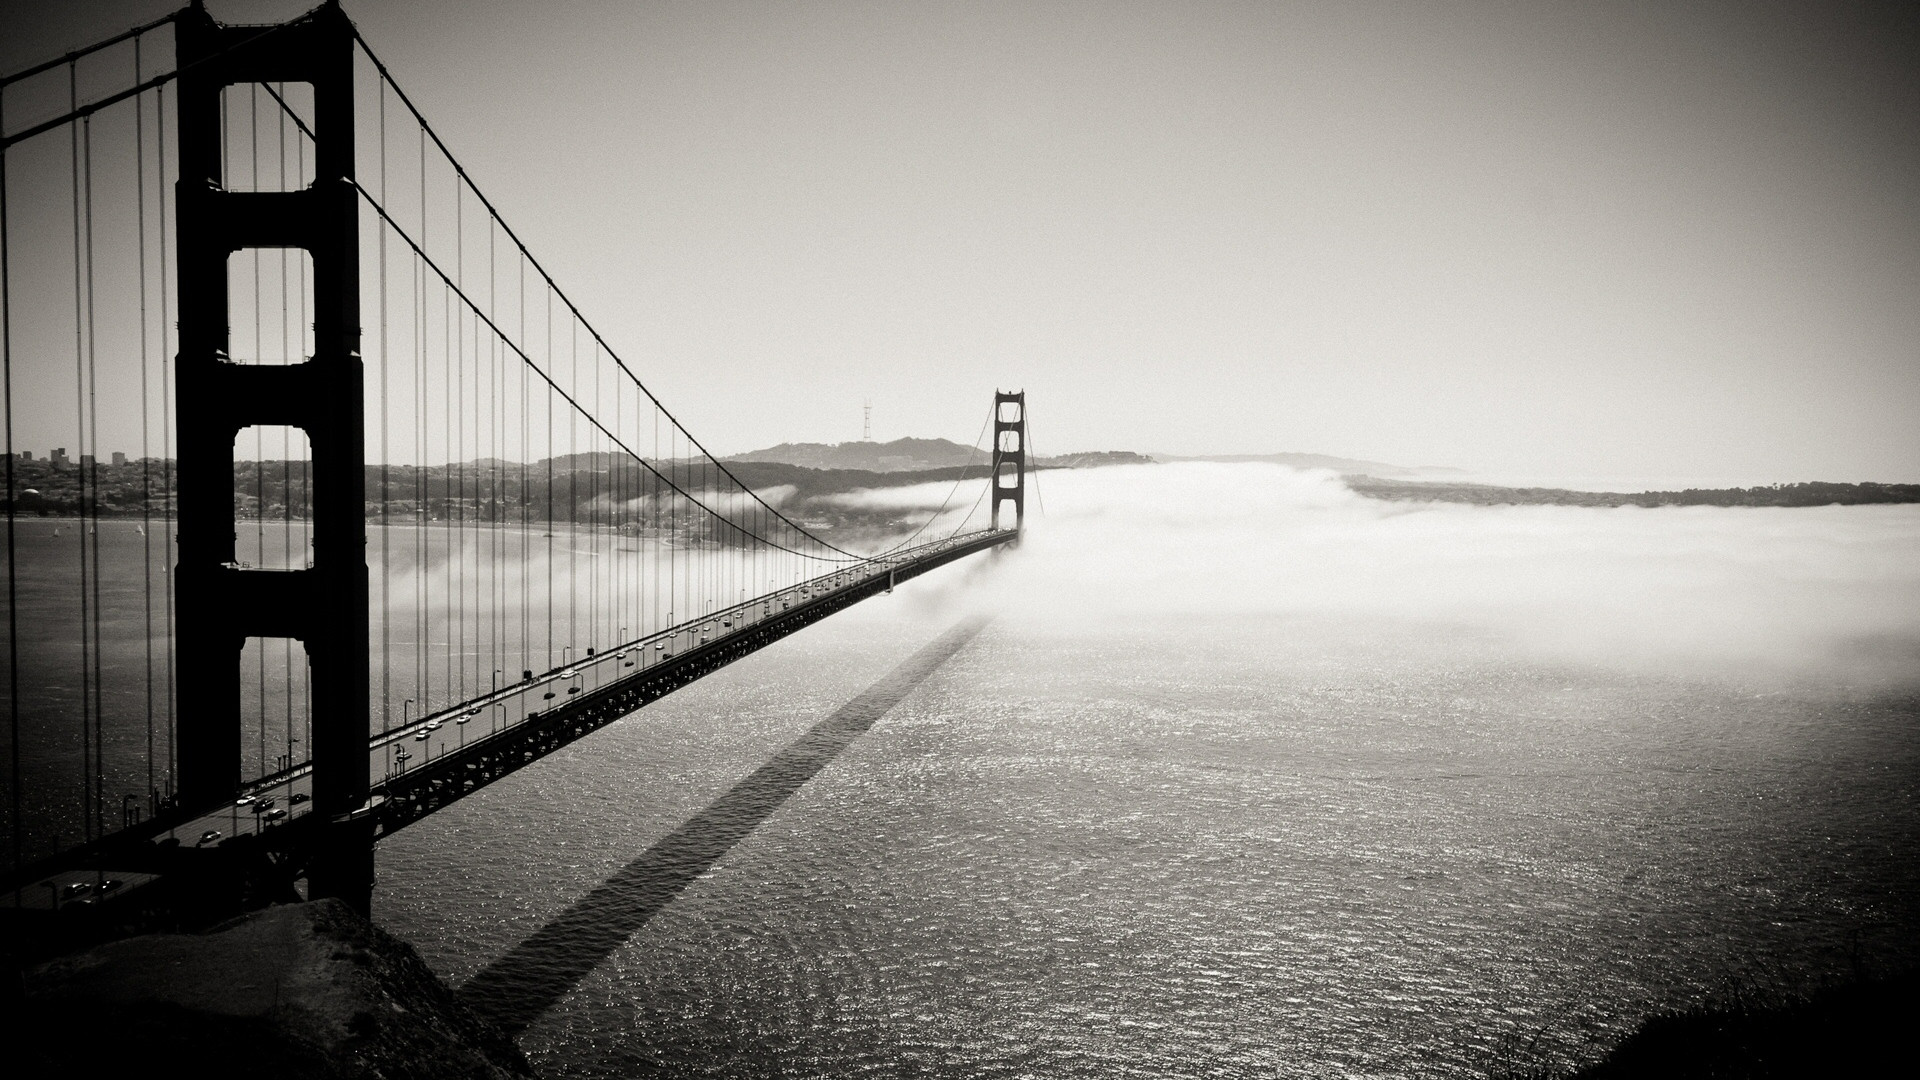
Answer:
(293, 990)
(915, 455)
(900, 455)
(1816, 493)
(1838, 1031)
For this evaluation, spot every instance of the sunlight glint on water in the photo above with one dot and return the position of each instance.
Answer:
(1405, 821)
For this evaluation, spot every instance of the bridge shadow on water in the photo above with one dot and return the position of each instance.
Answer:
(516, 989)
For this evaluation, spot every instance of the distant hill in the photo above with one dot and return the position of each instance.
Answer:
(1092, 459)
(1324, 461)
(1816, 493)
(900, 455)
(914, 455)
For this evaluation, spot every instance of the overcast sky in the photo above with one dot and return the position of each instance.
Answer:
(1535, 239)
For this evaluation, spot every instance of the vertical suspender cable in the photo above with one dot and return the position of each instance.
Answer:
(449, 342)
(493, 450)
(417, 416)
(549, 530)
(80, 420)
(146, 469)
(593, 513)
(259, 433)
(526, 497)
(13, 595)
(166, 412)
(386, 458)
(423, 661)
(306, 476)
(623, 597)
(573, 485)
(456, 470)
(658, 533)
(90, 534)
(550, 487)
(286, 437)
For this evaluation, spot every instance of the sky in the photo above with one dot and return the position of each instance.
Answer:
(1528, 240)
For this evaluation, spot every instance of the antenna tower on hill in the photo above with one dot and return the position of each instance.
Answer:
(866, 421)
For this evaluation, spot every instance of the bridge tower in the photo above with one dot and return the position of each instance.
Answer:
(324, 605)
(1009, 456)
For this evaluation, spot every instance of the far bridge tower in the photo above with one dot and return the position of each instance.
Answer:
(1009, 456)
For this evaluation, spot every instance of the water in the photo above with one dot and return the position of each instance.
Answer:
(467, 610)
(1292, 784)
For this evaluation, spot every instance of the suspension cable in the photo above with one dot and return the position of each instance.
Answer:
(1033, 458)
(597, 340)
(951, 492)
(77, 111)
(554, 388)
(7, 80)
(461, 171)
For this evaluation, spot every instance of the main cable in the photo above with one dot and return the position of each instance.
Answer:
(579, 318)
(553, 285)
(563, 395)
(951, 492)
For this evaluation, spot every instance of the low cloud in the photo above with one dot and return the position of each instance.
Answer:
(1689, 588)
(912, 497)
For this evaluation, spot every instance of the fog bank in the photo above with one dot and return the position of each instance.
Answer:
(1828, 589)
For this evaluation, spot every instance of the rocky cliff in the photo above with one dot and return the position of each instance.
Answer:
(294, 991)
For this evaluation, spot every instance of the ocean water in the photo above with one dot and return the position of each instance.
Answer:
(1247, 777)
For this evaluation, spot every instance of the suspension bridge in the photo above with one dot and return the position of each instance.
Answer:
(400, 522)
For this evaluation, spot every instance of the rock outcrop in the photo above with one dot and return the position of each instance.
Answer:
(295, 991)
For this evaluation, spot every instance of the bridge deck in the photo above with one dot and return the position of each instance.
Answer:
(437, 758)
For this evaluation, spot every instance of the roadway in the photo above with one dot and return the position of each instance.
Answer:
(286, 797)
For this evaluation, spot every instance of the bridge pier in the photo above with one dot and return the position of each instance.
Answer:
(222, 605)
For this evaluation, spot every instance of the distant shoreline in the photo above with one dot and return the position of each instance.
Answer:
(1815, 493)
